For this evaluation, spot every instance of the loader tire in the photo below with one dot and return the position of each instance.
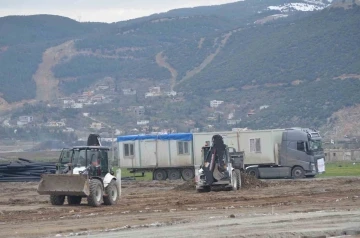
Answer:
(57, 200)
(96, 193)
(112, 193)
(74, 200)
(236, 179)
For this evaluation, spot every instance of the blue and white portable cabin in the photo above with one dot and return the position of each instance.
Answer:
(156, 151)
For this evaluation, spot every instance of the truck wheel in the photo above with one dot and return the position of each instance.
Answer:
(96, 193)
(74, 200)
(204, 189)
(57, 200)
(173, 174)
(253, 172)
(112, 193)
(298, 172)
(187, 174)
(236, 179)
(160, 174)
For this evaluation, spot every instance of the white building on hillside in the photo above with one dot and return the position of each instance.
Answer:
(215, 103)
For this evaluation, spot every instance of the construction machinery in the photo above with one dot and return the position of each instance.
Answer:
(220, 168)
(82, 172)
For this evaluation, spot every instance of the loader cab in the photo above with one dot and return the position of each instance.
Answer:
(64, 159)
(87, 156)
(65, 156)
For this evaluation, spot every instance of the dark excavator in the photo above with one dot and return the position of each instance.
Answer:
(220, 167)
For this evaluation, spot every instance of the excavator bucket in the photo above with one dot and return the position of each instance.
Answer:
(64, 184)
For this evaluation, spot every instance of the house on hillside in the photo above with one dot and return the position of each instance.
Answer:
(143, 122)
(96, 125)
(88, 93)
(264, 107)
(102, 87)
(153, 92)
(68, 130)
(68, 101)
(139, 111)
(250, 113)
(129, 91)
(170, 93)
(215, 103)
(24, 120)
(77, 105)
(55, 124)
(97, 98)
(82, 99)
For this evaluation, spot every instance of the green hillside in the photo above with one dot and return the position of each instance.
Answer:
(22, 43)
(216, 52)
(314, 50)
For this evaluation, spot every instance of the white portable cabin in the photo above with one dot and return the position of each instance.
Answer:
(259, 146)
(199, 140)
(184, 149)
(152, 151)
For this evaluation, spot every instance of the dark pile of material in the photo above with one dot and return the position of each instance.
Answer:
(249, 181)
(24, 170)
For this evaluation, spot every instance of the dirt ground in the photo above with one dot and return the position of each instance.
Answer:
(272, 208)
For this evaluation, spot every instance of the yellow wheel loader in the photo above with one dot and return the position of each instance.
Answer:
(82, 172)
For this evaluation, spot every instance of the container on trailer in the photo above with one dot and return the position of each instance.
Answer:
(261, 147)
(152, 151)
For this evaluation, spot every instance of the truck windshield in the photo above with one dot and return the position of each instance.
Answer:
(315, 145)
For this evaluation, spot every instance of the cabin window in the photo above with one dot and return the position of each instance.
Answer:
(128, 149)
(301, 146)
(255, 145)
(66, 156)
(183, 147)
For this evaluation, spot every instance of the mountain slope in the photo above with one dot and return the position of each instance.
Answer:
(296, 64)
(319, 46)
(23, 41)
(299, 60)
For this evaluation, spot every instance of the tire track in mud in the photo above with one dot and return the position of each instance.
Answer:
(151, 203)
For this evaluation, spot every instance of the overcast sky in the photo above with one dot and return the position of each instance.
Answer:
(98, 10)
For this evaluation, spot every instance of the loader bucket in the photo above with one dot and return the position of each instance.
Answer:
(64, 184)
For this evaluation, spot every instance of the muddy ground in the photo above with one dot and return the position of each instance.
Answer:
(273, 208)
